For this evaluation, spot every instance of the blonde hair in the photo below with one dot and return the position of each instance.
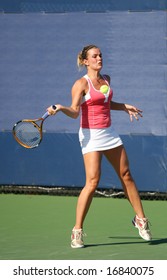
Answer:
(83, 55)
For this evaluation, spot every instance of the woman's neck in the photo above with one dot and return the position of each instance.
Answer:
(94, 76)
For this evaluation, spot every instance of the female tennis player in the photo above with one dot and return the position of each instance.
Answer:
(98, 137)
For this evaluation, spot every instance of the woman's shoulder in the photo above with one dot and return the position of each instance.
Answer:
(81, 84)
(82, 81)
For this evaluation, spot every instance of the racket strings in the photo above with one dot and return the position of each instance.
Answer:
(27, 134)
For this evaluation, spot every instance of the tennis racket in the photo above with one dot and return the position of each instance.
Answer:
(28, 133)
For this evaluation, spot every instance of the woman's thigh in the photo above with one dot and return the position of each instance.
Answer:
(92, 162)
(118, 158)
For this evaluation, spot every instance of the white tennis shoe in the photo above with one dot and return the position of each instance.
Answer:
(142, 226)
(77, 238)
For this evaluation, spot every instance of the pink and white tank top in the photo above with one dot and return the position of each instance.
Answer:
(95, 107)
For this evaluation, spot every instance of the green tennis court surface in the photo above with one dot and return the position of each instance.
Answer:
(38, 227)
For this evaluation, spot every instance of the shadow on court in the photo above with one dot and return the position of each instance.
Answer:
(157, 241)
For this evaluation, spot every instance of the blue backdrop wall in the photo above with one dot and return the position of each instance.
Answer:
(38, 67)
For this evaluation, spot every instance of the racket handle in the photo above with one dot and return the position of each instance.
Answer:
(47, 114)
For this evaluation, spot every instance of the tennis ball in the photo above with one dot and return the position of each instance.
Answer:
(104, 89)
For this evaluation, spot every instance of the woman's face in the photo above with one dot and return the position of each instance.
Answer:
(94, 59)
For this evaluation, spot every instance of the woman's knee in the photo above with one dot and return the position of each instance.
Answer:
(92, 183)
(125, 175)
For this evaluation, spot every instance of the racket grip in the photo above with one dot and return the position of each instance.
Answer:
(47, 113)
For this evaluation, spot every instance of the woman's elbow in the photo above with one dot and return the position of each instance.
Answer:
(75, 112)
(75, 115)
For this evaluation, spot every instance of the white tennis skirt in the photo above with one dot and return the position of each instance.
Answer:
(98, 139)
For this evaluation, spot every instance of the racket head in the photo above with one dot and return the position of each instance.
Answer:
(28, 133)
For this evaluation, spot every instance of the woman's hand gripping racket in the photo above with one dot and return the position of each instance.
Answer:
(28, 133)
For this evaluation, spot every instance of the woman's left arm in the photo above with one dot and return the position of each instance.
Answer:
(131, 110)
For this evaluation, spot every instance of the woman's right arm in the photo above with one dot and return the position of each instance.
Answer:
(77, 92)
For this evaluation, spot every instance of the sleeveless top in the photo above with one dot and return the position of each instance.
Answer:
(95, 107)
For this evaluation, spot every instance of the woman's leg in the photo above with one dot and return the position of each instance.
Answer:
(118, 158)
(92, 162)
